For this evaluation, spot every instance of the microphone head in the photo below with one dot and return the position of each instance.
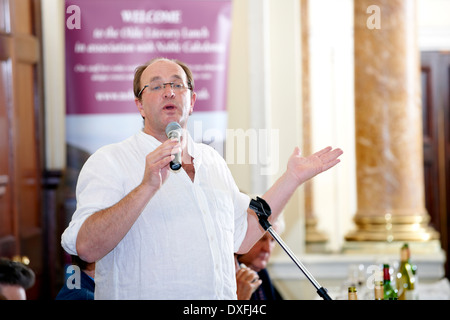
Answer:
(172, 126)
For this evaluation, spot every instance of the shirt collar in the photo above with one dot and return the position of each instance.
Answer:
(193, 149)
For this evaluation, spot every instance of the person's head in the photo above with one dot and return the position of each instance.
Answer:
(15, 278)
(258, 256)
(164, 92)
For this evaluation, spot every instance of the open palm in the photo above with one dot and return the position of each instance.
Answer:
(305, 168)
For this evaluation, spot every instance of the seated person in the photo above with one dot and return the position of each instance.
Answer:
(256, 259)
(86, 288)
(15, 279)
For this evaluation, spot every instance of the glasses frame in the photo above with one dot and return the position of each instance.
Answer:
(189, 87)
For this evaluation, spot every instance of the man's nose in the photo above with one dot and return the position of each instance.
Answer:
(168, 91)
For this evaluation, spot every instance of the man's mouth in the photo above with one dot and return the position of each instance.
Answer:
(169, 107)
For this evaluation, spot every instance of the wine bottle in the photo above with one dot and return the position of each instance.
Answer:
(389, 292)
(405, 276)
(352, 293)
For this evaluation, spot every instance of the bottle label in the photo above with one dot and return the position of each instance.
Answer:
(352, 296)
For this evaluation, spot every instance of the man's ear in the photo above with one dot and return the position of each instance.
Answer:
(193, 99)
(140, 107)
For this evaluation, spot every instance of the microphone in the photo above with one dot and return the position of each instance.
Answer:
(173, 131)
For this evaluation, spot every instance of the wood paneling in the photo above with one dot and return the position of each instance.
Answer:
(20, 137)
(436, 132)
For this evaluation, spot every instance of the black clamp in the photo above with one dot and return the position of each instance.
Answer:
(262, 210)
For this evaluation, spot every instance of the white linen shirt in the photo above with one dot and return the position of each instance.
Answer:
(182, 244)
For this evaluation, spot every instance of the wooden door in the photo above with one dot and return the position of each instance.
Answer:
(20, 135)
(436, 131)
(8, 223)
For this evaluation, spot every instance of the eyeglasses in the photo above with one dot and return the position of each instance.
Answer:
(159, 86)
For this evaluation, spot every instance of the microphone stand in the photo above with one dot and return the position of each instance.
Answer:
(263, 211)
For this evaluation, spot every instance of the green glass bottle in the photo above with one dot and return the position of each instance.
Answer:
(405, 276)
(390, 293)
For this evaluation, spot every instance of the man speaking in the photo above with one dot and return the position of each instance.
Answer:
(156, 233)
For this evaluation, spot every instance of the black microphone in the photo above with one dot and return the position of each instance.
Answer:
(173, 131)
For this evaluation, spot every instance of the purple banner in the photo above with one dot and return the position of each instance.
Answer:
(107, 39)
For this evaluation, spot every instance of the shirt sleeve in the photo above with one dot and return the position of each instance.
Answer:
(98, 187)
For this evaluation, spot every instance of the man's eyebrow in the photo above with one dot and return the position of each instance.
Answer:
(155, 78)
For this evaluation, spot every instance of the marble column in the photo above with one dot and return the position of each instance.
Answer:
(388, 124)
(315, 239)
